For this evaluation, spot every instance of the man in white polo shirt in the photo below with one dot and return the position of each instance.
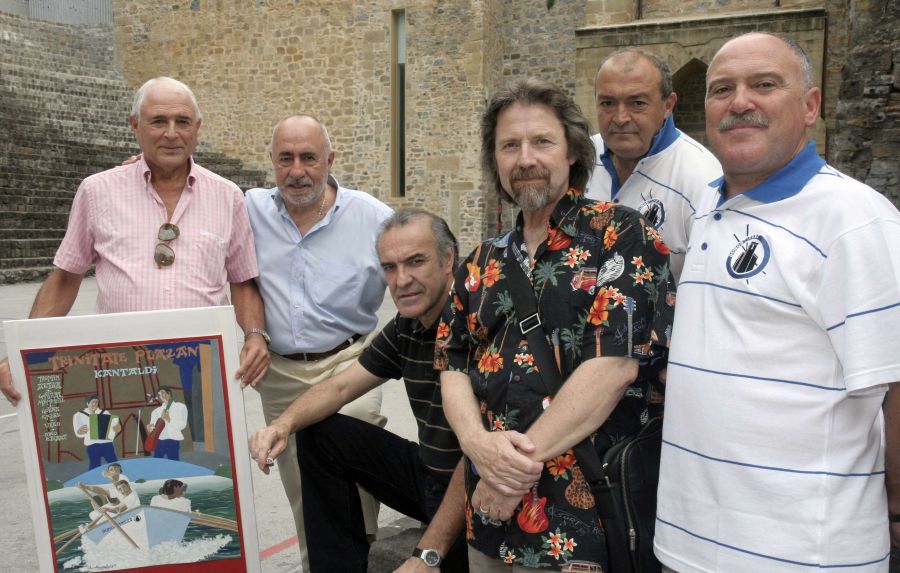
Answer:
(643, 160)
(785, 343)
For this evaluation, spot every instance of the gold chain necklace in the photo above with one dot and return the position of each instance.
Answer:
(322, 204)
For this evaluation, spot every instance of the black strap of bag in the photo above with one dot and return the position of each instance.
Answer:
(530, 325)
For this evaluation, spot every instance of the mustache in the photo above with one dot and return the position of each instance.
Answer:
(297, 181)
(746, 119)
(526, 173)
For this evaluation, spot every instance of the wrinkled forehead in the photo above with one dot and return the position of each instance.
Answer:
(753, 54)
(164, 96)
(402, 241)
(298, 133)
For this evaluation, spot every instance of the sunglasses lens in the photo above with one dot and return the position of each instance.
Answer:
(163, 255)
(168, 232)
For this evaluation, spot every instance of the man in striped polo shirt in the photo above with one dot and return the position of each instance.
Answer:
(781, 425)
(162, 232)
(337, 453)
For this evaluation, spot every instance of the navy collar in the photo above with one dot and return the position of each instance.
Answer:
(786, 182)
(665, 137)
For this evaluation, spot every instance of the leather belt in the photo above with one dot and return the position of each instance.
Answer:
(311, 356)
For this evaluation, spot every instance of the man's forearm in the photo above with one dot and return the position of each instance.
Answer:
(581, 406)
(57, 295)
(327, 397)
(501, 457)
(461, 408)
(248, 305)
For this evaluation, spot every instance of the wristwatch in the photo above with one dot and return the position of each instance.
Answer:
(430, 556)
(260, 332)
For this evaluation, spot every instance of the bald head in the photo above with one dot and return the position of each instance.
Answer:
(301, 121)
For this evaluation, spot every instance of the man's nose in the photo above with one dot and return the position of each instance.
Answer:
(742, 101)
(526, 155)
(621, 115)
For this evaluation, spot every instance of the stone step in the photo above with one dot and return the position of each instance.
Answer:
(18, 275)
(32, 220)
(19, 75)
(18, 183)
(35, 234)
(25, 248)
(26, 262)
(37, 204)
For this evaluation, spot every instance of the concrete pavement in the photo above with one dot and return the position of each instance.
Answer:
(277, 537)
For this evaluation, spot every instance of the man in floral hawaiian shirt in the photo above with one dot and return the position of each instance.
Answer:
(598, 270)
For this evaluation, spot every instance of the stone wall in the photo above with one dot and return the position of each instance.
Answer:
(63, 113)
(253, 63)
(866, 141)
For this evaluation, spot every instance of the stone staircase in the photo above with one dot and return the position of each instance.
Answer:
(63, 116)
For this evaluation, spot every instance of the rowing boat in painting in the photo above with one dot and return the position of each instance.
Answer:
(146, 526)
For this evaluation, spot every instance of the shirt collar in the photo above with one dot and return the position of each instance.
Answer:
(665, 137)
(145, 171)
(563, 214)
(786, 182)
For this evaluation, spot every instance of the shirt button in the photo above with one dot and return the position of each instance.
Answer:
(297, 276)
(703, 246)
(296, 306)
(717, 216)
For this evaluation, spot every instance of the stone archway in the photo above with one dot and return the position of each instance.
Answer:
(689, 83)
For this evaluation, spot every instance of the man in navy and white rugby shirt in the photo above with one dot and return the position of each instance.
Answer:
(781, 408)
(643, 160)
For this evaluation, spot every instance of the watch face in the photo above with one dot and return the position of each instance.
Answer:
(431, 557)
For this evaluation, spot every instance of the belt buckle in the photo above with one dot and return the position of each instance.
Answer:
(529, 323)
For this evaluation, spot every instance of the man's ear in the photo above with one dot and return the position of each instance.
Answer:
(813, 102)
(670, 103)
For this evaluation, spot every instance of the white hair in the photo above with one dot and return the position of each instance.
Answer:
(142, 93)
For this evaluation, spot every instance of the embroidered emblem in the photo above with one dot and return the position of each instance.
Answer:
(749, 257)
(654, 211)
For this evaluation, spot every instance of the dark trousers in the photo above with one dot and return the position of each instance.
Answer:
(167, 449)
(97, 452)
(335, 456)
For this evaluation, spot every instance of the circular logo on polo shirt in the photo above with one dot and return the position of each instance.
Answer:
(654, 211)
(748, 257)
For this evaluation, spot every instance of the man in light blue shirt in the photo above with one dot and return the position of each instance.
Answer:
(321, 281)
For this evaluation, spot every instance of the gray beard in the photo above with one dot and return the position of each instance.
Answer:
(532, 198)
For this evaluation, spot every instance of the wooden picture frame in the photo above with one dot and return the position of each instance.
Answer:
(154, 394)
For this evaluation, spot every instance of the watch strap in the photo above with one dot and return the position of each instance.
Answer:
(260, 332)
(430, 556)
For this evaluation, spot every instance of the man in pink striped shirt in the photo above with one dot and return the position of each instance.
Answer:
(163, 232)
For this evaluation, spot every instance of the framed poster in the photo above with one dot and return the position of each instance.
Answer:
(134, 441)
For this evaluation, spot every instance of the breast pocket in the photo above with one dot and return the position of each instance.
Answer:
(336, 283)
(207, 251)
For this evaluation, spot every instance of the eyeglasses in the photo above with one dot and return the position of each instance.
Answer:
(163, 253)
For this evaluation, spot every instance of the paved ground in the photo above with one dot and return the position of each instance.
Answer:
(277, 538)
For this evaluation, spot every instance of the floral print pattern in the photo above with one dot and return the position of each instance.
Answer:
(602, 271)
